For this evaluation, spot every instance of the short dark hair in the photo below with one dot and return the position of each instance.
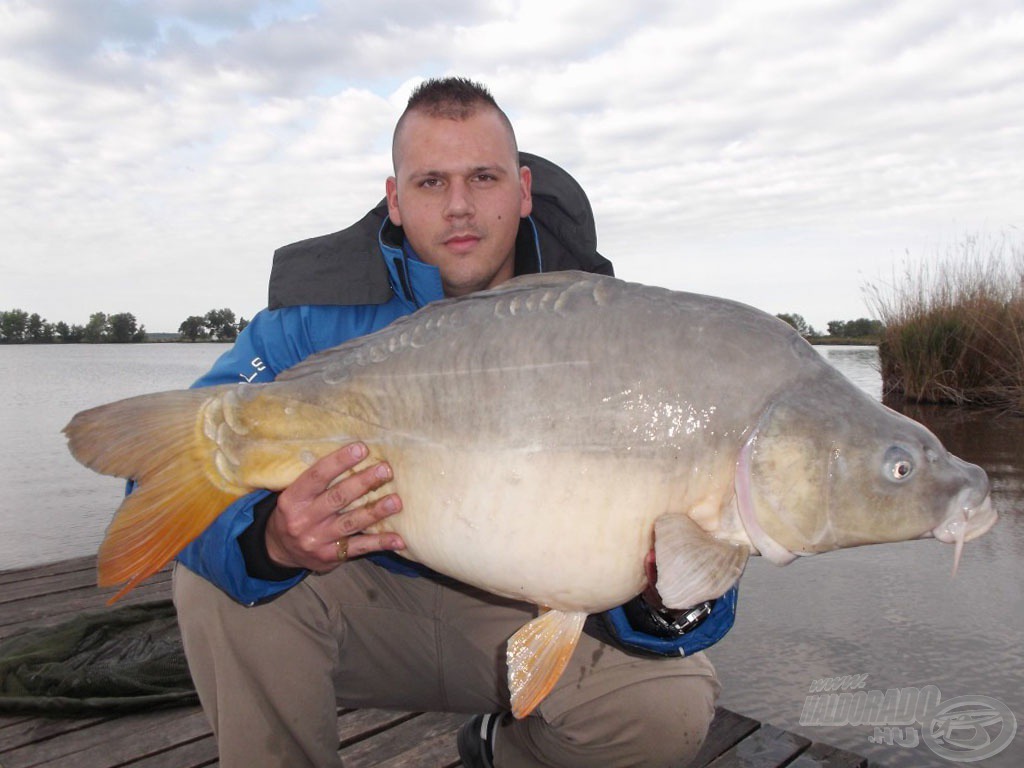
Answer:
(453, 98)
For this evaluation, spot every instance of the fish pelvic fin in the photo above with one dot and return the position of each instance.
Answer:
(537, 655)
(158, 441)
(693, 566)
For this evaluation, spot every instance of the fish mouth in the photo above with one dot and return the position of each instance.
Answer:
(965, 523)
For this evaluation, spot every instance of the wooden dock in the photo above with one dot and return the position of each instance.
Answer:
(181, 738)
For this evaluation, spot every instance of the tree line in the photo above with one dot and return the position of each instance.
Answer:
(861, 328)
(19, 327)
(217, 324)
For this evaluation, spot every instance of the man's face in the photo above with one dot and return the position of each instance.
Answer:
(458, 196)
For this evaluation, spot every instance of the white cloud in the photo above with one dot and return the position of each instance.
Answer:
(152, 155)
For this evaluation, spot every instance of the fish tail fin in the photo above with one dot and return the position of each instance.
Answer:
(158, 441)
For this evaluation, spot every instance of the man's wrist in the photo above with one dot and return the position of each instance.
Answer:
(253, 543)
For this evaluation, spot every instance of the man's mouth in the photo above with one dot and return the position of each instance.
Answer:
(462, 242)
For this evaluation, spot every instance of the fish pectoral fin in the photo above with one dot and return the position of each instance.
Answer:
(537, 655)
(693, 566)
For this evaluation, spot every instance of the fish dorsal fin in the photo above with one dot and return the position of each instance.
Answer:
(693, 566)
(537, 655)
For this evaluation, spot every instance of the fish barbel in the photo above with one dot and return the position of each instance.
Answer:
(544, 435)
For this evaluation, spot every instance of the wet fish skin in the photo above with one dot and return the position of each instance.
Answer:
(540, 433)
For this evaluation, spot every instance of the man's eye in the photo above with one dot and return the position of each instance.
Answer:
(428, 183)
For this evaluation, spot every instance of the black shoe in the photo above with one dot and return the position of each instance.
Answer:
(476, 741)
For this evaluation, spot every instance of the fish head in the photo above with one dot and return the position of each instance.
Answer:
(827, 467)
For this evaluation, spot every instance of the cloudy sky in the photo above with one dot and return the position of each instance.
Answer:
(153, 153)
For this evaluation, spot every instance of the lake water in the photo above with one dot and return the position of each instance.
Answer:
(51, 507)
(890, 613)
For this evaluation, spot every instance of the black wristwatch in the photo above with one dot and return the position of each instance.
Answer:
(664, 623)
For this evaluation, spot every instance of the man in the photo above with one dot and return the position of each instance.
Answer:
(287, 610)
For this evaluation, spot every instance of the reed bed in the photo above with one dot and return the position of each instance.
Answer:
(954, 326)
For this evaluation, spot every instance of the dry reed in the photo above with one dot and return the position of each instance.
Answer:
(954, 326)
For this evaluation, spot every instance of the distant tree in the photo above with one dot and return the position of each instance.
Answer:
(39, 331)
(242, 323)
(43, 333)
(864, 326)
(124, 328)
(798, 322)
(193, 328)
(34, 328)
(13, 325)
(860, 328)
(69, 334)
(221, 323)
(97, 329)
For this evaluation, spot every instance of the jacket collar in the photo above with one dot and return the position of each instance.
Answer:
(414, 282)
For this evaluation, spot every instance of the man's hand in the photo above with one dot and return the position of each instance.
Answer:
(308, 529)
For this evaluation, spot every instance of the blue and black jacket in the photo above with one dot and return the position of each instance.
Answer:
(327, 290)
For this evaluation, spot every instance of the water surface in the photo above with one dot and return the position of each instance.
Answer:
(52, 508)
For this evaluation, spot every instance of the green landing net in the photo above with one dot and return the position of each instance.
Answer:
(115, 661)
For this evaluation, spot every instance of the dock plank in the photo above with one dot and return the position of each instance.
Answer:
(826, 756)
(194, 754)
(106, 743)
(181, 737)
(51, 608)
(155, 736)
(439, 751)
(55, 583)
(727, 729)
(25, 731)
(357, 724)
(401, 742)
(15, 575)
(767, 747)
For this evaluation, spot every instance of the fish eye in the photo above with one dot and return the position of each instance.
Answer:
(899, 465)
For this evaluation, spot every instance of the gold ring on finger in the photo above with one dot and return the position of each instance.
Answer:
(341, 547)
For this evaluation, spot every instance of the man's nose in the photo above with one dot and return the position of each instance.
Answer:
(460, 200)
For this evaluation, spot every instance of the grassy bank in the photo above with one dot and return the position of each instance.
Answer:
(844, 341)
(954, 327)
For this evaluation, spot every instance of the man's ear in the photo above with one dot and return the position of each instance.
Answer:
(391, 190)
(526, 186)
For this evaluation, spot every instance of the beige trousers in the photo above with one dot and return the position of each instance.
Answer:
(270, 677)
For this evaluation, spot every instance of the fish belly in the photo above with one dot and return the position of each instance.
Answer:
(560, 529)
